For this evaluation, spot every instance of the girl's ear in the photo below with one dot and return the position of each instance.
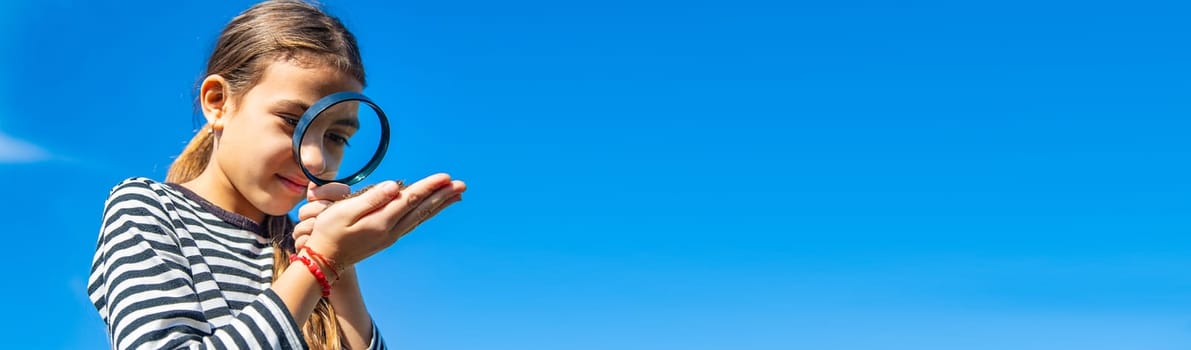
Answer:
(214, 98)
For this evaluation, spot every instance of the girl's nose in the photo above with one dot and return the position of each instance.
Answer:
(313, 158)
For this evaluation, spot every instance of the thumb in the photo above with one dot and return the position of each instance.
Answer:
(372, 199)
(331, 191)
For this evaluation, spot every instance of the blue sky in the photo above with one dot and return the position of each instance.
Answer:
(679, 175)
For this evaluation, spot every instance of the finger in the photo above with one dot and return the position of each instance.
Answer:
(357, 207)
(430, 207)
(386, 217)
(424, 187)
(302, 232)
(303, 228)
(312, 209)
(410, 222)
(300, 242)
(331, 191)
(457, 198)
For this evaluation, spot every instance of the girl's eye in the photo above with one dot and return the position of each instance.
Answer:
(290, 120)
(338, 140)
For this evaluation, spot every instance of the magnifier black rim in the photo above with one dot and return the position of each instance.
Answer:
(322, 105)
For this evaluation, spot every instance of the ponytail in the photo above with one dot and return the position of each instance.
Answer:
(194, 157)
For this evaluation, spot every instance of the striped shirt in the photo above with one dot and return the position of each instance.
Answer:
(172, 270)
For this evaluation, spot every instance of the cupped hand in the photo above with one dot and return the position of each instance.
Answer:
(318, 198)
(352, 229)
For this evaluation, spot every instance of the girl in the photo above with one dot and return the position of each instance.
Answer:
(209, 258)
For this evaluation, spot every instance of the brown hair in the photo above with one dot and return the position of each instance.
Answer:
(265, 33)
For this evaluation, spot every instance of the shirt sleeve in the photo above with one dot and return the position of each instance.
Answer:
(143, 288)
(377, 343)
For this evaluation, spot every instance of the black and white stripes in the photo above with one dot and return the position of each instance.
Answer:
(171, 271)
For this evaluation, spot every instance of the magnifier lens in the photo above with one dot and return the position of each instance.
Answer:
(342, 142)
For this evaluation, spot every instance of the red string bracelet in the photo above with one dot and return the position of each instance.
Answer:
(314, 270)
(325, 261)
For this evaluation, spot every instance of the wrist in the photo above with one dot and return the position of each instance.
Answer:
(299, 291)
(329, 266)
(327, 249)
(319, 273)
(348, 276)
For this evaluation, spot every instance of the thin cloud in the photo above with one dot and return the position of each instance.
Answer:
(13, 150)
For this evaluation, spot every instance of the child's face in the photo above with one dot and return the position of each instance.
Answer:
(255, 150)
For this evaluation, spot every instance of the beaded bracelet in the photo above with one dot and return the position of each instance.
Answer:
(314, 270)
(328, 262)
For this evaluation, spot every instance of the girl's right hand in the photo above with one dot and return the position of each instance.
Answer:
(358, 227)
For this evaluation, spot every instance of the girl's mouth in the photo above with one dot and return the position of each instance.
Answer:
(292, 185)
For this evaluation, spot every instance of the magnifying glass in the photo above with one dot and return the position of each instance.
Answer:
(341, 138)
